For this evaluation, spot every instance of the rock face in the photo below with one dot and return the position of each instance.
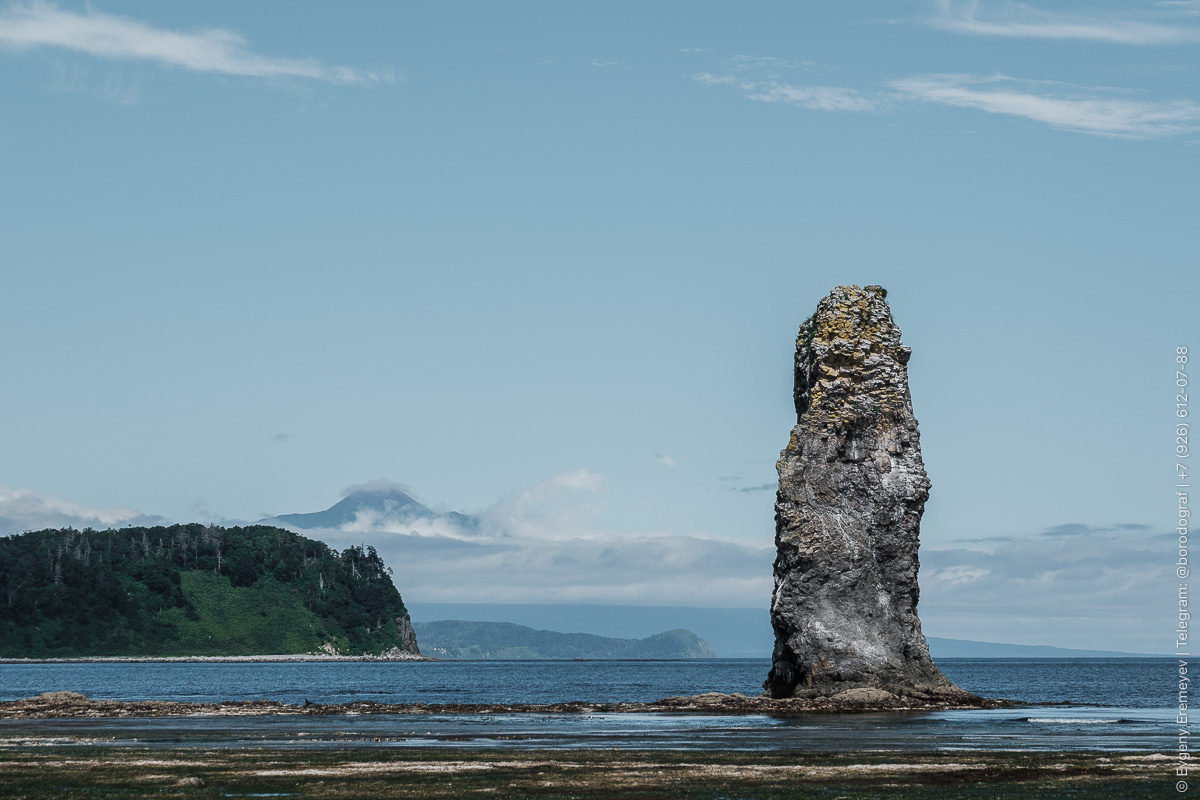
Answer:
(852, 488)
(408, 636)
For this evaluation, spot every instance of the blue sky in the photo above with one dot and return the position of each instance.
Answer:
(546, 262)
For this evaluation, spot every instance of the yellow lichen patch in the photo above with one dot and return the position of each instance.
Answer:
(857, 351)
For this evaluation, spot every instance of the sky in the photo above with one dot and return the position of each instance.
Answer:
(546, 262)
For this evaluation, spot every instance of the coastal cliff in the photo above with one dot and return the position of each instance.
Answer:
(195, 590)
(852, 489)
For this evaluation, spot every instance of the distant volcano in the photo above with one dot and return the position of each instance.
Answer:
(385, 504)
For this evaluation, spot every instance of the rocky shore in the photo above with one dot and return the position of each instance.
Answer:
(58, 705)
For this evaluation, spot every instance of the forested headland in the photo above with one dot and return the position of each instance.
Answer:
(194, 590)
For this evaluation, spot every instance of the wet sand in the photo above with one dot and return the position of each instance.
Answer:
(126, 773)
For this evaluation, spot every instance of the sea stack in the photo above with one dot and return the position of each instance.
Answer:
(852, 488)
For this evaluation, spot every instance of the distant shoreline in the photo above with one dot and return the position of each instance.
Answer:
(263, 659)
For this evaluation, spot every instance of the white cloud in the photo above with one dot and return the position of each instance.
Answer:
(544, 544)
(1021, 20)
(24, 510)
(579, 479)
(377, 485)
(815, 98)
(665, 460)
(371, 521)
(214, 50)
(562, 507)
(1091, 110)
(646, 569)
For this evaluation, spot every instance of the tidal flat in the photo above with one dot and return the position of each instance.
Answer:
(109, 772)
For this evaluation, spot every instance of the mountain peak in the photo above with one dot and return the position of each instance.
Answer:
(387, 501)
(368, 504)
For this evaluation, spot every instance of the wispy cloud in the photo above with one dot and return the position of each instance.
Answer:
(762, 487)
(1025, 21)
(215, 50)
(1098, 111)
(1080, 529)
(282, 438)
(771, 79)
(772, 63)
(815, 98)
(665, 460)
(1189, 8)
(25, 510)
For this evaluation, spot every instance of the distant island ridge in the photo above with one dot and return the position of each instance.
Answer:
(460, 639)
(731, 632)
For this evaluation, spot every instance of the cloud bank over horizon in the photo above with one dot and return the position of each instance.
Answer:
(544, 544)
(1069, 585)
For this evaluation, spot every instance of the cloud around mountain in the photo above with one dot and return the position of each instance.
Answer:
(1073, 584)
(537, 546)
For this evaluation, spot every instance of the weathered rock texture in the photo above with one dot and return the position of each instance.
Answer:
(852, 488)
(408, 636)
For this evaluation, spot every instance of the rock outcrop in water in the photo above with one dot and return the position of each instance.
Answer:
(852, 488)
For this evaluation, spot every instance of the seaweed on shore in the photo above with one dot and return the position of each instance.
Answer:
(131, 774)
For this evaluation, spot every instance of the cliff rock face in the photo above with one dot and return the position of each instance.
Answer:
(408, 636)
(852, 488)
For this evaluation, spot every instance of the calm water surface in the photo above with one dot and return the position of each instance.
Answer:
(1120, 704)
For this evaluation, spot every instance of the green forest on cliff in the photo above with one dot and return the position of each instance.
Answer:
(191, 590)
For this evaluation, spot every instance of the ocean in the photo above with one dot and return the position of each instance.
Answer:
(1077, 704)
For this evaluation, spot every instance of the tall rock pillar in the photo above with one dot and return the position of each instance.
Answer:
(852, 488)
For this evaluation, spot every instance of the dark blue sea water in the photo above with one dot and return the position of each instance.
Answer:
(1119, 704)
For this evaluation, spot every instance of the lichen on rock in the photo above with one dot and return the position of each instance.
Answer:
(852, 488)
